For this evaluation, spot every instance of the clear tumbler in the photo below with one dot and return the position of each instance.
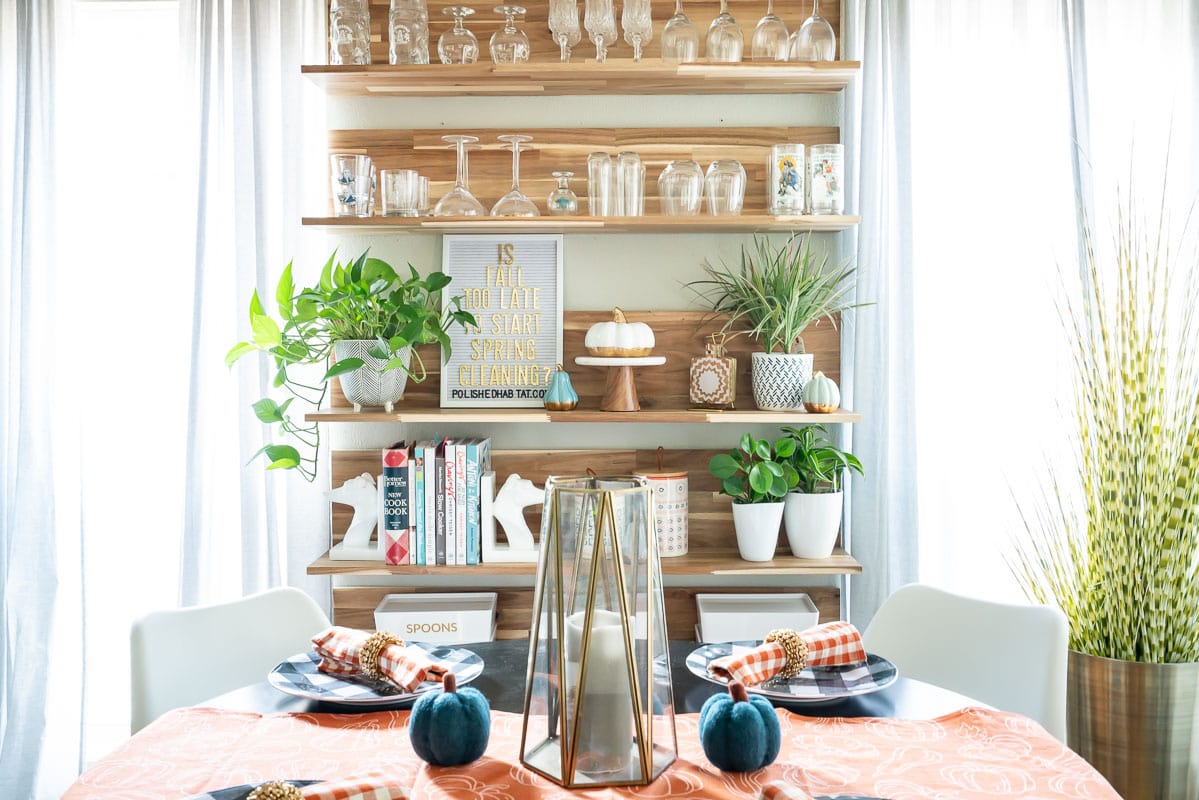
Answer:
(600, 185)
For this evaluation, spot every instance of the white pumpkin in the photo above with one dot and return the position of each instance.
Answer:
(619, 338)
(821, 395)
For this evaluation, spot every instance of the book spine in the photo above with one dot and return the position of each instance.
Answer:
(472, 501)
(451, 504)
(429, 465)
(396, 516)
(461, 507)
(440, 515)
(415, 495)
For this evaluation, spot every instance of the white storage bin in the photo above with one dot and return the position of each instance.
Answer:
(737, 617)
(445, 618)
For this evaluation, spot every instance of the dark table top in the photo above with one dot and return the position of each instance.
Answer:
(503, 682)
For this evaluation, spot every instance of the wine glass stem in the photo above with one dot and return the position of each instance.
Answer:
(516, 166)
(770, 8)
(565, 48)
(601, 52)
(460, 176)
(678, 8)
(636, 47)
(815, 8)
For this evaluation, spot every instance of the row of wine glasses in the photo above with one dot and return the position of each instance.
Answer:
(458, 45)
(459, 202)
(770, 41)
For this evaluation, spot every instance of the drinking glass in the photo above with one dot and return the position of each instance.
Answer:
(600, 185)
(398, 189)
(681, 188)
(515, 203)
(564, 25)
(630, 185)
(638, 25)
(350, 180)
(599, 19)
(725, 39)
(422, 196)
(509, 45)
(680, 39)
(815, 40)
(458, 201)
(826, 185)
(349, 32)
(408, 30)
(562, 201)
(458, 45)
(770, 41)
(725, 186)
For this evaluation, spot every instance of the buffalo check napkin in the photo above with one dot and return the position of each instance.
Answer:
(370, 786)
(406, 667)
(833, 644)
(780, 790)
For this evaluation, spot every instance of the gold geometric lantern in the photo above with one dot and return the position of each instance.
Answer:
(599, 710)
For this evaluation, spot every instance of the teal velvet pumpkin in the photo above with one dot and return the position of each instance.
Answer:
(450, 727)
(560, 395)
(739, 732)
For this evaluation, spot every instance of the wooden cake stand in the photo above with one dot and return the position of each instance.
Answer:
(620, 393)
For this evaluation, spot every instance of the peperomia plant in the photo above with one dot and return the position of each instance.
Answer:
(756, 471)
(365, 299)
(818, 463)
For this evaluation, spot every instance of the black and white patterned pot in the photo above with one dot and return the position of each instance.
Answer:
(366, 386)
(779, 378)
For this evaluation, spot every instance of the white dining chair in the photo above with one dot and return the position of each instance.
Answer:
(183, 656)
(1011, 657)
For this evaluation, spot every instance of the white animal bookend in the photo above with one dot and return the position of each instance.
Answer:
(509, 509)
(363, 495)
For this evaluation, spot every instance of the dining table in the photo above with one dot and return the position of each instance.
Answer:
(907, 739)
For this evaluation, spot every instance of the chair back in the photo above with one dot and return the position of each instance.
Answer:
(187, 655)
(1012, 657)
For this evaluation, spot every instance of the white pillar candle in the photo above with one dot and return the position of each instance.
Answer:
(606, 731)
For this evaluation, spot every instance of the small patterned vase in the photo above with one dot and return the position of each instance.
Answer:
(366, 386)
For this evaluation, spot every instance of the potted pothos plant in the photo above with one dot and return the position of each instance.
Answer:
(775, 293)
(757, 475)
(360, 323)
(812, 510)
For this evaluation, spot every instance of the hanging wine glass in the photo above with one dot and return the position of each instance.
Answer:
(770, 41)
(458, 45)
(680, 39)
(515, 203)
(509, 45)
(599, 19)
(638, 24)
(725, 39)
(815, 40)
(564, 25)
(458, 201)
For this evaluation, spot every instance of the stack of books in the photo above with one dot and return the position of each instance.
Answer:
(430, 501)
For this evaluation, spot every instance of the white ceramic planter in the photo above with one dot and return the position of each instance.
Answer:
(779, 378)
(812, 522)
(757, 526)
(366, 386)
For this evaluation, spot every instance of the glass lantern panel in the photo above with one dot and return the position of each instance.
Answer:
(665, 746)
(542, 741)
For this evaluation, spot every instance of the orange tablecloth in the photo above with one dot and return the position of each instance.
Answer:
(973, 753)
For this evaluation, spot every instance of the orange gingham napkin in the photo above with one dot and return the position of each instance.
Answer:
(778, 790)
(371, 786)
(406, 667)
(833, 644)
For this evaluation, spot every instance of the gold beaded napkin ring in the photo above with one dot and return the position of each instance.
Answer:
(794, 648)
(372, 648)
(276, 790)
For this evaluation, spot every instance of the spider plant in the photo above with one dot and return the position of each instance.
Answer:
(1114, 540)
(778, 291)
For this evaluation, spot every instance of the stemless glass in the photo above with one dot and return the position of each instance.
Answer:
(515, 203)
(564, 25)
(350, 179)
(630, 185)
(349, 32)
(770, 40)
(458, 201)
(725, 186)
(509, 45)
(458, 45)
(815, 40)
(599, 19)
(601, 184)
(562, 201)
(725, 39)
(408, 30)
(680, 39)
(680, 188)
(638, 24)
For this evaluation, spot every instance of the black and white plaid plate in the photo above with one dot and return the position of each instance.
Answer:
(238, 792)
(299, 676)
(813, 685)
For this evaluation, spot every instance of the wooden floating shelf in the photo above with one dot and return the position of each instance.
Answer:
(617, 76)
(509, 415)
(703, 223)
(703, 562)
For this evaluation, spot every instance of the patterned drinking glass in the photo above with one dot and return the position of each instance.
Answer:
(564, 25)
(349, 32)
(680, 39)
(815, 40)
(458, 201)
(725, 39)
(638, 25)
(770, 40)
(408, 31)
(509, 45)
(458, 45)
(599, 19)
(515, 203)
